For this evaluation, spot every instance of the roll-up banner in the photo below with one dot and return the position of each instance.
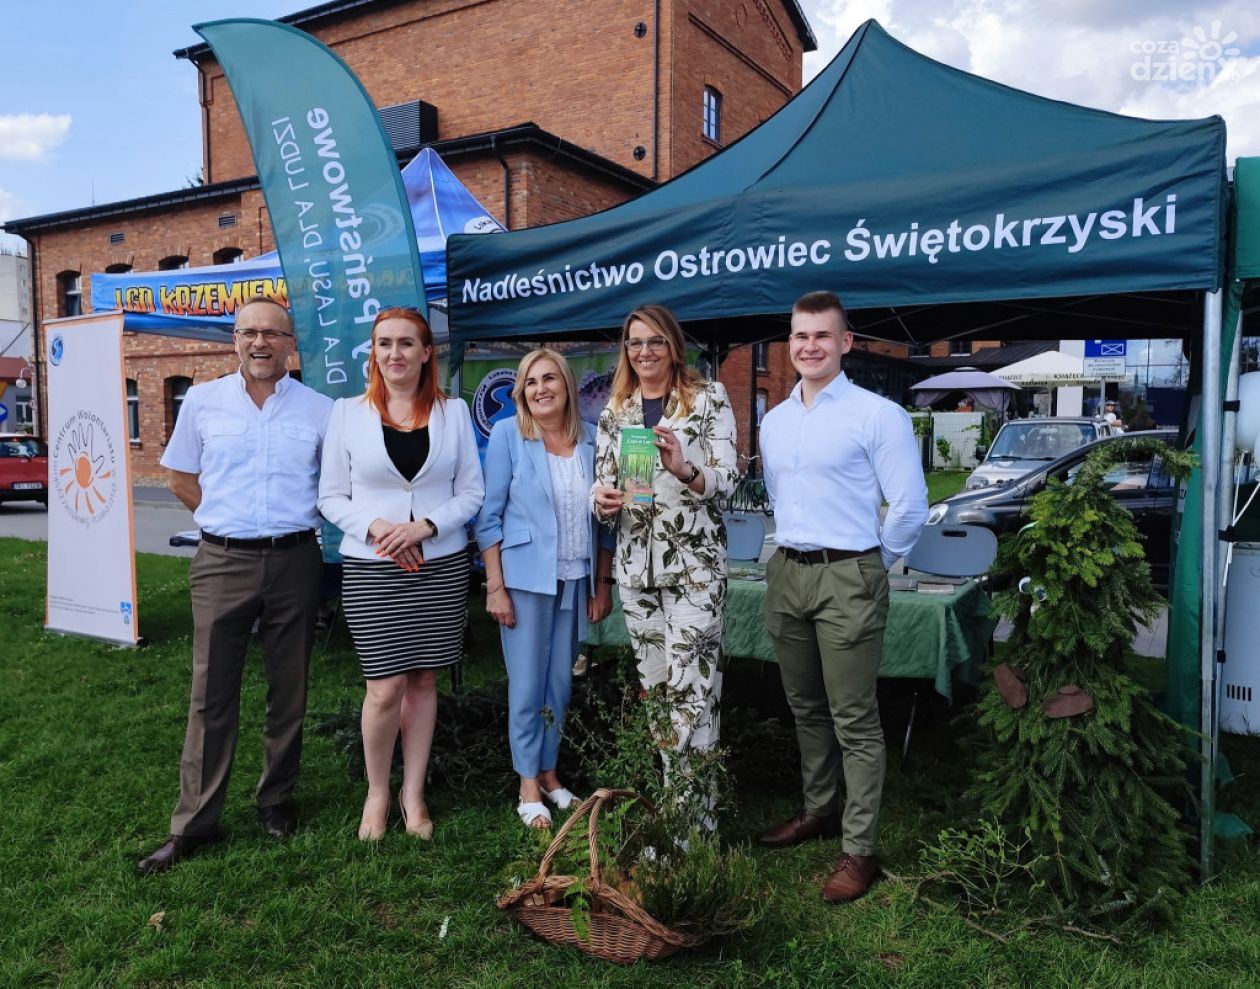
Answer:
(336, 201)
(91, 539)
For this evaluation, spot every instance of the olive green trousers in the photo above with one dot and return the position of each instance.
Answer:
(827, 624)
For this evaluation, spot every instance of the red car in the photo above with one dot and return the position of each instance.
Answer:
(23, 468)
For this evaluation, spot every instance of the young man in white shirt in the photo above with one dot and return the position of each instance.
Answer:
(244, 458)
(831, 453)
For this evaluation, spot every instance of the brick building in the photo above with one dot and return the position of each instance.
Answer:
(545, 111)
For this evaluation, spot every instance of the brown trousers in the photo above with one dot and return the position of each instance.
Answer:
(231, 588)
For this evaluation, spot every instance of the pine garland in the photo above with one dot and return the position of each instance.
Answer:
(1094, 790)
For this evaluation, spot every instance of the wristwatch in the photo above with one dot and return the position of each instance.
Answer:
(429, 523)
(695, 472)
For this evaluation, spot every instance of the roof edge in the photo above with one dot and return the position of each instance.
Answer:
(334, 8)
(806, 33)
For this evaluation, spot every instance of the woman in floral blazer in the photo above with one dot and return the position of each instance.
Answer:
(670, 563)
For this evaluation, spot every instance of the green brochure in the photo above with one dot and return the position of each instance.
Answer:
(637, 464)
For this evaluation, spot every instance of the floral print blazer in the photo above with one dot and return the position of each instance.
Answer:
(680, 540)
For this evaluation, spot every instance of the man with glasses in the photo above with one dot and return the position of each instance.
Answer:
(244, 457)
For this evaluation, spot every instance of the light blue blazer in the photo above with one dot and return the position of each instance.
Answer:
(519, 511)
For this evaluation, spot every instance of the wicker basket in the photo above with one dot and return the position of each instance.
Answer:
(620, 930)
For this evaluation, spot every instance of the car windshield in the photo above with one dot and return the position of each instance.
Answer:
(1039, 440)
(22, 448)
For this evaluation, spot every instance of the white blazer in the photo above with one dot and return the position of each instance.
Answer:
(358, 483)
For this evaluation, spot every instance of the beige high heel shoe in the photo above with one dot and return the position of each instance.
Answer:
(422, 829)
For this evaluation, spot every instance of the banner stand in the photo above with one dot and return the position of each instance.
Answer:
(91, 529)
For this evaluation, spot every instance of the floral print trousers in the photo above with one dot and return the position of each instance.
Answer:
(677, 638)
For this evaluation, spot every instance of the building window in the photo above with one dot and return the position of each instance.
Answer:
(761, 356)
(229, 255)
(920, 350)
(712, 114)
(960, 348)
(133, 411)
(173, 263)
(22, 412)
(176, 389)
(763, 402)
(70, 293)
(117, 269)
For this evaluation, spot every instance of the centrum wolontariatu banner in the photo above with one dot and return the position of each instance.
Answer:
(338, 209)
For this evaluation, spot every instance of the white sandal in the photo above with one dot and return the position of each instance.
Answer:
(532, 811)
(561, 797)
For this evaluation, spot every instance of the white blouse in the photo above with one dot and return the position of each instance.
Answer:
(569, 486)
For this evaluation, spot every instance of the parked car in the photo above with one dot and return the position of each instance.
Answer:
(1140, 485)
(23, 468)
(1022, 445)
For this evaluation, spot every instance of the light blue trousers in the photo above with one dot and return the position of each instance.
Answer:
(539, 653)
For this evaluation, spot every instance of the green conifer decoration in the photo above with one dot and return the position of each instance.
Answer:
(1093, 789)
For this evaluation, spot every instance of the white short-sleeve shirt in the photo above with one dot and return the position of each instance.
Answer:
(258, 468)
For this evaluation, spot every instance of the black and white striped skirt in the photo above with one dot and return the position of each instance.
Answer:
(402, 620)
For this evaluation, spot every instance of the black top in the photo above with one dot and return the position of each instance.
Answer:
(653, 410)
(408, 450)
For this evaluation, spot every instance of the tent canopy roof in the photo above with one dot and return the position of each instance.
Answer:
(897, 182)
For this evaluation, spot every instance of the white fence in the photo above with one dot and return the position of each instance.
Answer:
(961, 430)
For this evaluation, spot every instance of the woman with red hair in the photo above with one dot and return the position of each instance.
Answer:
(401, 478)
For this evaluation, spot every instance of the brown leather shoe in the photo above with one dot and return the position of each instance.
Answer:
(177, 848)
(802, 828)
(852, 877)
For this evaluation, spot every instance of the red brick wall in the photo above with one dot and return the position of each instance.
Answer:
(777, 382)
(573, 67)
(747, 51)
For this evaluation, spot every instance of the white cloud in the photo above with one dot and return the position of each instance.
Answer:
(30, 136)
(1081, 51)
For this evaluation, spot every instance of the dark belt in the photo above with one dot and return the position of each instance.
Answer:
(260, 542)
(812, 556)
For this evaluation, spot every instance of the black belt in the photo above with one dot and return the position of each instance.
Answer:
(812, 556)
(260, 542)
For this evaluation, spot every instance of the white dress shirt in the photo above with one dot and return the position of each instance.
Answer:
(828, 467)
(258, 468)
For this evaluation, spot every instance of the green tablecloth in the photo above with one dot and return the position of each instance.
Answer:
(937, 636)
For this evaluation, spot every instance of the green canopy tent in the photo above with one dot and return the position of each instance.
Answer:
(937, 204)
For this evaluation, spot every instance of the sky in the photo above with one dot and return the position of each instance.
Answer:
(105, 112)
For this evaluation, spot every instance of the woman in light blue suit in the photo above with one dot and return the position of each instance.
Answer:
(546, 575)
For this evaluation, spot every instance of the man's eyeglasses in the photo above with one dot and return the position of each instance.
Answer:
(654, 344)
(267, 336)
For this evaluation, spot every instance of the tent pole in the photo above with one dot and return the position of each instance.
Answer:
(1224, 512)
(1210, 445)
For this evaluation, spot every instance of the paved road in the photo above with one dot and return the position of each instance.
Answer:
(159, 515)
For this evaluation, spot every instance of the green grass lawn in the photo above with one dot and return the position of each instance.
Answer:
(943, 483)
(89, 750)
